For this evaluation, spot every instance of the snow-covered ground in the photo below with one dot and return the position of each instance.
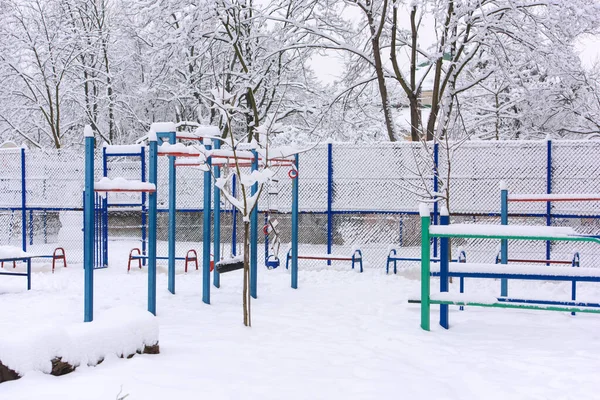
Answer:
(341, 335)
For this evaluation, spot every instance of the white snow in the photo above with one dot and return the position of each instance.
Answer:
(518, 269)
(123, 149)
(555, 197)
(504, 230)
(208, 131)
(118, 331)
(152, 136)
(11, 252)
(87, 131)
(232, 260)
(464, 298)
(341, 335)
(163, 127)
(119, 183)
(503, 185)
(178, 148)
(424, 210)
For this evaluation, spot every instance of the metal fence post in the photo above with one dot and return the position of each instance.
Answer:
(436, 166)
(503, 242)
(548, 191)
(329, 199)
(217, 222)
(172, 216)
(444, 266)
(23, 201)
(88, 227)
(254, 234)
(425, 266)
(144, 207)
(206, 229)
(152, 209)
(295, 228)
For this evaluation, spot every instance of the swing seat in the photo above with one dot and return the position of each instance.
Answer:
(272, 262)
(229, 266)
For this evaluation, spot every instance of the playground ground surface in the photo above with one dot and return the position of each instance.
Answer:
(341, 335)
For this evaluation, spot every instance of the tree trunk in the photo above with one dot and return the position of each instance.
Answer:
(246, 289)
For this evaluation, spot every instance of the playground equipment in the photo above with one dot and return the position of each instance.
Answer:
(356, 257)
(116, 185)
(493, 271)
(393, 257)
(548, 198)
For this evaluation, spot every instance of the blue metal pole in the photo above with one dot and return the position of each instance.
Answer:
(329, 199)
(234, 219)
(254, 234)
(206, 230)
(88, 228)
(444, 267)
(266, 225)
(104, 231)
(295, 228)
(23, 202)
(217, 222)
(153, 176)
(503, 242)
(436, 158)
(172, 216)
(144, 207)
(548, 191)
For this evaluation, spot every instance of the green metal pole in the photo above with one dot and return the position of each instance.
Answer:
(425, 263)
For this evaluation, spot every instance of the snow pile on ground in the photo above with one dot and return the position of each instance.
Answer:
(120, 331)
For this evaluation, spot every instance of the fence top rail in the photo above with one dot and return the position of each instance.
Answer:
(513, 269)
(554, 197)
(516, 232)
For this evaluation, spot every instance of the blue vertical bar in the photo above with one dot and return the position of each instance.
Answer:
(31, 227)
(329, 199)
(234, 219)
(152, 226)
(444, 267)
(254, 234)
(436, 165)
(104, 229)
(144, 208)
(548, 191)
(295, 228)
(206, 230)
(504, 242)
(172, 216)
(217, 222)
(23, 202)
(266, 229)
(88, 228)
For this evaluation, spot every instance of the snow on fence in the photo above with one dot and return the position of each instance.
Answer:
(350, 194)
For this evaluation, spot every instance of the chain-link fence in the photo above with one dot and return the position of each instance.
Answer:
(351, 196)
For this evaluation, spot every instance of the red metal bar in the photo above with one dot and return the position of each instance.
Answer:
(14, 264)
(192, 258)
(163, 154)
(126, 190)
(540, 261)
(553, 199)
(59, 257)
(139, 260)
(333, 258)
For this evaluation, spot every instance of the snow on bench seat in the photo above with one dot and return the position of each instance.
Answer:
(522, 269)
(503, 230)
(555, 197)
(122, 185)
(332, 257)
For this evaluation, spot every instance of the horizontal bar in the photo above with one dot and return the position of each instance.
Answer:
(515, 237)
(161, 258)
(518, 306)
(14, 273)
(328, 258)
(541, 261)
(525, 277)
(124, 155)
(549, 302)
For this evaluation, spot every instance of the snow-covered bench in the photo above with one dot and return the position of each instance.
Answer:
(393, 257)
(356, 257)
(191, 256)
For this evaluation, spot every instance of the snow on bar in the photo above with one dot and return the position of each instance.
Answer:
(555, 197)
(7, 252)
(122, 185)
(123, 149)
(177, 149)
(461, 298)
(517, 269)
(503, 230)
(163, 127)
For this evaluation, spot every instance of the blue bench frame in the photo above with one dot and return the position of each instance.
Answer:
(329, 257)
(462, 258)
(27, 274)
